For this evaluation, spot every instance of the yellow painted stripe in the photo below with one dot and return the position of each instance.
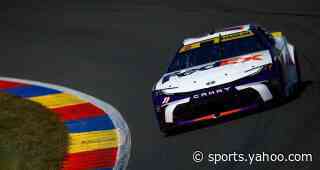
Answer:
(89, 141)
(236, 36)
(216, 40)
(195, 45)
(57, 100)
(189, 47)
(276, 34)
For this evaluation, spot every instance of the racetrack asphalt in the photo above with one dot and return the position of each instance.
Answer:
(116, 51)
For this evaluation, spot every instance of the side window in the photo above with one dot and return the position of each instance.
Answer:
(265, 37)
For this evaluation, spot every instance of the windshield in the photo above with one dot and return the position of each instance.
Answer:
(209, 51)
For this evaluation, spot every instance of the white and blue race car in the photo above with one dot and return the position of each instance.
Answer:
(225, 72)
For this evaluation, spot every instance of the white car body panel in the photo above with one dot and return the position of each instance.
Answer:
(219, 74)
(214, 74)
(261, 88)
(170, 108)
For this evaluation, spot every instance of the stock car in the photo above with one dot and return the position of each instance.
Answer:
(228, 71)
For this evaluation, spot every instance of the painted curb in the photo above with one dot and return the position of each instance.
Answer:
(124, 143)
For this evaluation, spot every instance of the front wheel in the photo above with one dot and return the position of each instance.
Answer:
(165, 128)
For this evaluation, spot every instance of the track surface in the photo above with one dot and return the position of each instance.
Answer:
(117, 50)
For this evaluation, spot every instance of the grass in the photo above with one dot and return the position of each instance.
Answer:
(31, 136)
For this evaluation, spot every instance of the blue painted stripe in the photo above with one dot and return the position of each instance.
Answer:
(90, 124)
(30, 91)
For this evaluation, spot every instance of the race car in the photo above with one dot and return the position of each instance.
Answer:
(228, 71)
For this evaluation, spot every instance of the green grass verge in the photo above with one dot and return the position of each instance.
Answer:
(31, 136)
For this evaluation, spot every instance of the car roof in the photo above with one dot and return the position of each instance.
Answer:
(225, 31)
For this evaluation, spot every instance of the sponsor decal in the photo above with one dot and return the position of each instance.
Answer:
(210, 83)
(217, 40)
(165, 100)
(228, 61)
(237, 35)
(211, 92)
(241, 59)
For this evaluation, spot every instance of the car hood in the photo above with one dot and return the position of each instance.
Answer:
(213, 74)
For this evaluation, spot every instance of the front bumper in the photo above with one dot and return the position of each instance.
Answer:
(215, 105)
(197, 106)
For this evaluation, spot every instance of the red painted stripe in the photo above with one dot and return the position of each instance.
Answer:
(8, 84)
(230, 112)
(104, 158)
(208, 117)
(79, 111)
